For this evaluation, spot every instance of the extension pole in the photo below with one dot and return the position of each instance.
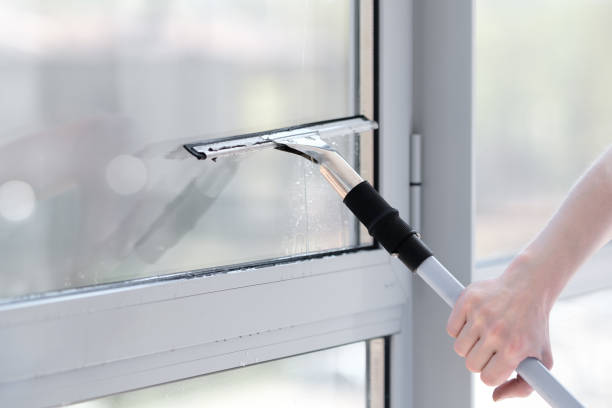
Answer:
(531, 369)
(397, 237)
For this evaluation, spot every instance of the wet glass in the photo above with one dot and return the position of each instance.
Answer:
(334, 378)
(540, 119)
(97, 99)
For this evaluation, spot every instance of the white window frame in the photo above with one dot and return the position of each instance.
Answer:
(90, 344)
(442, 114)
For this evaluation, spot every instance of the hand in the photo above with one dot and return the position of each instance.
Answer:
(499, 322)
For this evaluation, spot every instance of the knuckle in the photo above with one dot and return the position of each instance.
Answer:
(481, 317)
(497, 332)
(517, 347)
(472, 297)
(478, 323)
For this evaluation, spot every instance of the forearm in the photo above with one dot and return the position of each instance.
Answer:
(582, 225)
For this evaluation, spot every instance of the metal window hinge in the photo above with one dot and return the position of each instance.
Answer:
(416, 180)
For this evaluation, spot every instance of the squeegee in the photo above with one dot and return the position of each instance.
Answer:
(382, 221)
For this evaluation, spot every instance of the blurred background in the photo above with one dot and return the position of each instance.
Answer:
(543, 103)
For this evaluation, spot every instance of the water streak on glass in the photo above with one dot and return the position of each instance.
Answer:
(98, 96)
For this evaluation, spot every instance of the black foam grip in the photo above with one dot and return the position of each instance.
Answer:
(385, 225)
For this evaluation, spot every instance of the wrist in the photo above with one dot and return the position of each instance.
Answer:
(534, 279)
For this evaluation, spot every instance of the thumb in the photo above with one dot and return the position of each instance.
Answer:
(516, 387)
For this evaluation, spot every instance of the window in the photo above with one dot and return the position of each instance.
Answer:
(99, 97)
(540, 121)
(107, 287)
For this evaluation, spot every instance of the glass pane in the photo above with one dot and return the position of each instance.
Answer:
(98, 98)
(580, 333)
(540, 119)
(334, 378)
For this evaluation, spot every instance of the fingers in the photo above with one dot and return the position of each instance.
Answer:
(516, 387)
(466, 339)
(457, 318)
(497, 370)
(495, 326)
(478, 356)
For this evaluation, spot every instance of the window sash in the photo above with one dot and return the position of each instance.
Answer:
(89, 345)
(72, 347)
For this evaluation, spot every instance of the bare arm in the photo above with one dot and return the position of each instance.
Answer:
(499, 322)
(579, 228)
